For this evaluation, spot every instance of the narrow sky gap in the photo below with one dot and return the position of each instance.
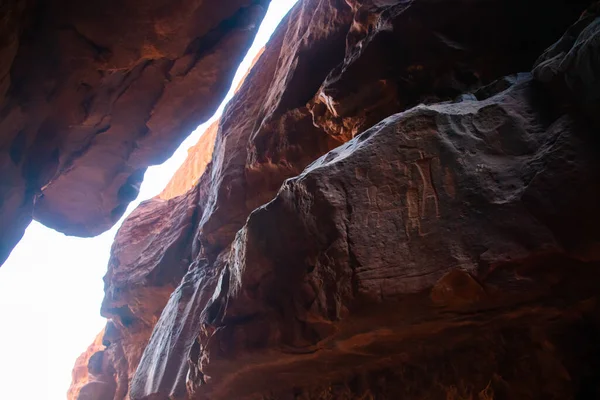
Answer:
(51, 285)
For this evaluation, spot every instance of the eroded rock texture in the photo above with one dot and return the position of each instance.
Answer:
(401, 203)
(93, 92)
(412, 234)
(149, 257)
(81, 375)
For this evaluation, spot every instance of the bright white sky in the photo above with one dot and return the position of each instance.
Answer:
(51, 286)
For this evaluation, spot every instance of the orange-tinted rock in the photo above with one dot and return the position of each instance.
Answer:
(199, 155)
(101, 384)
(80, 374)
(224, 204)
(265, 134)
(91, 93)
(150, 255)
(137, 283)
(245, 301)
(571, 66)
(457, 288)
(445, 251)
(254, 60)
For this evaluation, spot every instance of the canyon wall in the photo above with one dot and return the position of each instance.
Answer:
(81, 375)
(93, 92)
(194, 165)
(401, 203)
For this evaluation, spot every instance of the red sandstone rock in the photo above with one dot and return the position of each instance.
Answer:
(213, 339)
(262, 132)
(137, 283)
(150, 255)
(93, 92)
(80, 372)
(194, 165)
(101, 385)
(448, 252)
(319, 281)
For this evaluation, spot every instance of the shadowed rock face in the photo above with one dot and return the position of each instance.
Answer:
(91, 93)
(150, 255)
(402, 53)
(571, 66)
(461, 201)
(393, 209)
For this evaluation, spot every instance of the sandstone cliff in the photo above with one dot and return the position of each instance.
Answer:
(401, 203)
(194, 165)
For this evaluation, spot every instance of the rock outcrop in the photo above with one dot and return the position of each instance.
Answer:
(93, 92)
(572, 65)
(446, 208)
(81, 375)
(401, 203)
(149, 257)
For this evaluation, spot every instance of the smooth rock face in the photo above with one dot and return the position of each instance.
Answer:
(347, 242)
(194, 165)
(91, 93)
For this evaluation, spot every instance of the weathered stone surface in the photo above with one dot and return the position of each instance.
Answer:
(93, 92)
(150, 255)
(194, 165)
(377, 222)
(254, 139)
(401, 53)
(143, 273)
(101, 384)
(80, 374)
(572, 65)
(242, 153)
(445, 251)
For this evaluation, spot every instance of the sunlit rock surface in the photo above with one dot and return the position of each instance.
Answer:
(80, 374)
(401, 203)
(92, 92)
(194, 165)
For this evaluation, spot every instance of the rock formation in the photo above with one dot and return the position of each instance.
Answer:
(81, 375)
(194, 165)
(401, 203)
(149, 257)
(93, 92)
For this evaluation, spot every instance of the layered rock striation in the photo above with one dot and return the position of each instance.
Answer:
(400, 203)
